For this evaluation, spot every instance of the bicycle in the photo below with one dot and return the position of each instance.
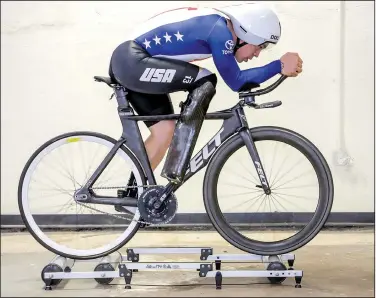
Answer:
(233, 135)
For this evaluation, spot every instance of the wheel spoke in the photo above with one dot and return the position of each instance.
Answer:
(57, 187)
(54, 195)
(241, 176)
(288, 171)
(294, 196)
(276, 201)
(75, 183)
(262, 201)
(248, 171)
(56, 169)
(91, 165)
(241, 193)
(63, 165)
(256, 200)
(248, 200)
(279, 169)
(239, 185)
(295, 187)
(274, 154)
(295, 178)
(65, 204)
(109, 174)
(292, 204)
(272, 201)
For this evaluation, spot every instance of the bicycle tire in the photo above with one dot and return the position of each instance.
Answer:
(283, 246)
(29, 225)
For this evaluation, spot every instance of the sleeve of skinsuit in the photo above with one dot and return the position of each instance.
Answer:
(226, 63)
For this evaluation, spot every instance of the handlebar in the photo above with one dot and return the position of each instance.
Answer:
(248, 97)
(268, 89)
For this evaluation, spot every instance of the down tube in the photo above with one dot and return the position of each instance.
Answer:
(201, 159)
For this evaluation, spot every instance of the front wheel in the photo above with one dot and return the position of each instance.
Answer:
(308, 192)
(46, 196)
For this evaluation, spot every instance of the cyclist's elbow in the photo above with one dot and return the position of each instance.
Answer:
(234, 85)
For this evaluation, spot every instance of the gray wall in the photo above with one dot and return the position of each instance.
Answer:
(51, 51)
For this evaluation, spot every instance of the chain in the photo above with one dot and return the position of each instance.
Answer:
(115, 215)
(126, 187)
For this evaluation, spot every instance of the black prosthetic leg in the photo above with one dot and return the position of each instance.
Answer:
(186, 132)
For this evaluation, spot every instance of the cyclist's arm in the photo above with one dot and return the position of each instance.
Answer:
(227, 66)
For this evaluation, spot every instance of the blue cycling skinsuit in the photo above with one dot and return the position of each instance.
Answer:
(157, 60)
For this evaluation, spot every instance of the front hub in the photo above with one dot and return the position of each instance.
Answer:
(267, 191)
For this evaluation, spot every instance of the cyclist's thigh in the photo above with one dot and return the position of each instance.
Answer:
(150, 105)
(133, 67)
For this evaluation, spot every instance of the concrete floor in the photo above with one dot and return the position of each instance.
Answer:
(335, 264)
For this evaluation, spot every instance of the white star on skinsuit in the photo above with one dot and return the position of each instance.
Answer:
(147, 43)
(179, 36)
(168, 37)
(157, 40)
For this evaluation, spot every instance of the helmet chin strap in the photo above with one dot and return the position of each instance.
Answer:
(238, 45)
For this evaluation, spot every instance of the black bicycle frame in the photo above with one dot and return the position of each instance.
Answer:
(235, 122)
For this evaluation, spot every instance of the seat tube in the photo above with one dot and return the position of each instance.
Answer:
(121, 94)
(132, 132)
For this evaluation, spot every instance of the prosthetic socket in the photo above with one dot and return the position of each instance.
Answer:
(186, 132)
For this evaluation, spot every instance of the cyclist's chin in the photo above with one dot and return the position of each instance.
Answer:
(245, 59)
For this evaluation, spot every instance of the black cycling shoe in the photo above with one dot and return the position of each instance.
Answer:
(130, 192)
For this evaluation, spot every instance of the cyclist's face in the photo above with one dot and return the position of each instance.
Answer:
(247, 52)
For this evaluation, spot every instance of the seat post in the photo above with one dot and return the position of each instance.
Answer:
(121, 96)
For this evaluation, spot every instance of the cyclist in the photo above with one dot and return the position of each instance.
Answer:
(157, 60)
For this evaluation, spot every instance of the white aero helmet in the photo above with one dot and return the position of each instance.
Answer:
(255, 23)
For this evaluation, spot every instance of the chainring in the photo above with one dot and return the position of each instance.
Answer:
(162, 215)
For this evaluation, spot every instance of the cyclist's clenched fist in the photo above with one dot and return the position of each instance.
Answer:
(292, 64)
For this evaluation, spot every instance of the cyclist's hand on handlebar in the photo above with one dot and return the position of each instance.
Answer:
(292, 64)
